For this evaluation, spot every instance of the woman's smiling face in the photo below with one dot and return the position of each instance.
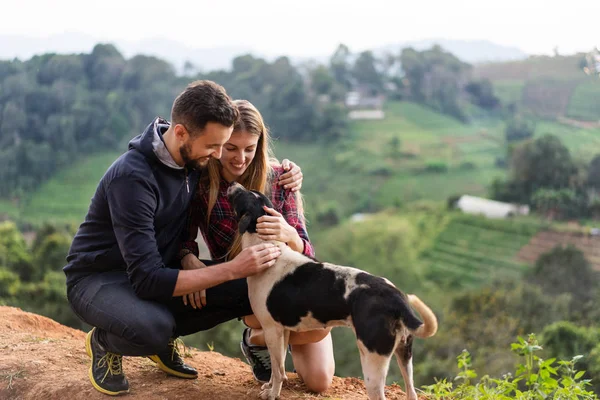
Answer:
(238, 153)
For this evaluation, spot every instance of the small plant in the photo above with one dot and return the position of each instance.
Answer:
(11, 376)
(211, 346)
(534, 378)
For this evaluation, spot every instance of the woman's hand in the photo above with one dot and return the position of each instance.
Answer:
(275, 227)
(292, 179)
(196, 299)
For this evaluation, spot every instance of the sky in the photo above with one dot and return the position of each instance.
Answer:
(309, 27)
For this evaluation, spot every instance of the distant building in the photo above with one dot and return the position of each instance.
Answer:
(359, 217)
(490, 208)
(366, 114)
(364, 106)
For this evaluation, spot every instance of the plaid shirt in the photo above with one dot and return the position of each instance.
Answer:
(219, 234)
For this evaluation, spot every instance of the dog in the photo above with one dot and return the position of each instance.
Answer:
(299, 293)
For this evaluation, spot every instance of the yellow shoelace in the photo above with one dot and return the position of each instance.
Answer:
(113, 362)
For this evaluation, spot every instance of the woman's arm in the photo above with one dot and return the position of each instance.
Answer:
(285, 223)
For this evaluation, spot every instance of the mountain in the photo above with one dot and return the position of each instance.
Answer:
(208, 59)
(42, 359)
(471, 51)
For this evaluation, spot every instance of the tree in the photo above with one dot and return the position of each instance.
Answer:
(365, 72)
(50, 250)
(339, 64)
(543, 163)
(553, 203)
(14, 254)
(321, 80)
(566, 270)
(518, 128)
(436, 78)
(482, 93)
(593, 178)
(104, 67)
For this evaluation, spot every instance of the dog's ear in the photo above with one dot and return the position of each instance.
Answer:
(264, 198)
(244, 223)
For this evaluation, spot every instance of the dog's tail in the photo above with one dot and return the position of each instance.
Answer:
(430, 325)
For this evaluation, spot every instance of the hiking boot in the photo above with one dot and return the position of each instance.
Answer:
(258, 357)
(106, 369)
(170, 361)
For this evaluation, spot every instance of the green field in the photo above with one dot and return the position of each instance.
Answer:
(66, 197)
(366, 172)
(390, 162)
(547, 86)
(473, 250)
(585, 101)
(509, 91)
(534, 67)
(583, 144)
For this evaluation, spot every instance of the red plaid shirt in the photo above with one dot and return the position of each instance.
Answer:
(219, 234)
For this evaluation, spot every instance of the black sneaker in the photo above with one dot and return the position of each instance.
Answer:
(171, 362)
(258, 358)
(106, 369)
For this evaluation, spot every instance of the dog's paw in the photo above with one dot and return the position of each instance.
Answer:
(267, 394)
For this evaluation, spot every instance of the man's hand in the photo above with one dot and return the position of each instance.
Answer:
(255, 259)
(196, 299)
(292, 179)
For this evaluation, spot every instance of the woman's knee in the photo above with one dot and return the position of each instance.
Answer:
(319, 378)
(251, 321)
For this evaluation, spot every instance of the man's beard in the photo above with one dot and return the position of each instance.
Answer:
(199, 163)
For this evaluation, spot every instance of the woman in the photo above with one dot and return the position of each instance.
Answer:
(246, 160)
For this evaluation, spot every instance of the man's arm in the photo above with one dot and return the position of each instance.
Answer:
(250, 261)
(132, 204)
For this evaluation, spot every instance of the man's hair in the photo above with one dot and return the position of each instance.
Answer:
(202, 102)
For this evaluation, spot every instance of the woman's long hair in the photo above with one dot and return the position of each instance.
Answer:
(256, 177)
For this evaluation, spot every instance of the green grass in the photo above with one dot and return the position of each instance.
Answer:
(364, 174)
(472, 250)
(509, 91)
(585, 101)
(547, 86)
(66, 197)
(9, 209)
(361, 173)
(437, 186)
(583, 144)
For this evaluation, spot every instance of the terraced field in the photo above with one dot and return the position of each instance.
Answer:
(547, 240)
(473, 250)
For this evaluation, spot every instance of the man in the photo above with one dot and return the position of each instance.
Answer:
(118, 275)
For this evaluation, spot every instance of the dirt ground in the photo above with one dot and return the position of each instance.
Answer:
(42, 359)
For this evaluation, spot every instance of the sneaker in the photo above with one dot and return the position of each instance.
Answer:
(258, 357)
(106, 369)
(170, 361)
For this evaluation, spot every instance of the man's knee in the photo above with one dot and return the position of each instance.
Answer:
(152, 335)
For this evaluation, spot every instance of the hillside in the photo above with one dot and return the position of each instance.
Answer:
(550, 87)
(473, 250)
(377, 165)
(42, 359)
(545, 241)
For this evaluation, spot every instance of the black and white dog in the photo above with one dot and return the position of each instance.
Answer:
(301, 294)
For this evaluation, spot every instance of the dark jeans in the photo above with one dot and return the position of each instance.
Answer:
(131, 326)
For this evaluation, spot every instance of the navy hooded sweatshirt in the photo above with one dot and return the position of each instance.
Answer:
(137, 219)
